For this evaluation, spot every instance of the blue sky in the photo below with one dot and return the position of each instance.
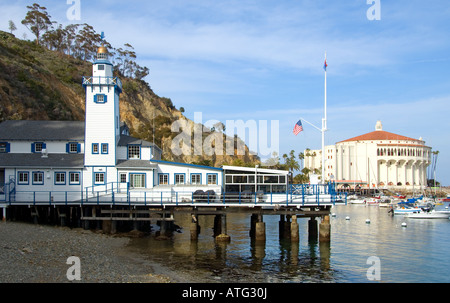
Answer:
(263, 60)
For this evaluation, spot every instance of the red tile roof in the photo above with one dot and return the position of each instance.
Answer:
(379, 135)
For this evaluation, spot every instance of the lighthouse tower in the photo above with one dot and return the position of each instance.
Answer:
(102, 126)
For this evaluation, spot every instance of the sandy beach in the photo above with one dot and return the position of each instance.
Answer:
(38, 254)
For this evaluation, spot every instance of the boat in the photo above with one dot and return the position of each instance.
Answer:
(405, 210)
(361, 200)
(354, 199)
(428, 215)
(373, 201)
(385, 202)
(443, 209)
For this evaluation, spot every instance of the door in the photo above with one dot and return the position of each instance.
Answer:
(137, 180)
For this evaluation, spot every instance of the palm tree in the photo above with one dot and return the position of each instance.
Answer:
(291, 163)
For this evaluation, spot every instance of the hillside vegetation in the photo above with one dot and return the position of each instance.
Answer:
(38, 82)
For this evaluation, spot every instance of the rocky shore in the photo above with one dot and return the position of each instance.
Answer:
(38, 254)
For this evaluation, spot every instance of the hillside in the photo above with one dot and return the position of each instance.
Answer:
(40, 84)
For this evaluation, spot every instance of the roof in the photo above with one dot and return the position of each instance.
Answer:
(379, 135)
(36, 160)
(125, 140)
(42, 130)
(135, 164)
(33, 130)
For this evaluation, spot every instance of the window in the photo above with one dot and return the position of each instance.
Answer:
(60, 178)
(212, 178)
(74, 178)
(100, 98)
(37, 147)
(4, 147)
(104, 148)
(99, 178)
(179, 178)
(73, 148)
(196, 179)
(134, 151)
(137, 180)
(163, 179)
(123, 178)
(101, 67)
(23, 178)
(95, 148)
(38, 178)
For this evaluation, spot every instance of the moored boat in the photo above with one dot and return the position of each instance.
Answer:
(428, 215)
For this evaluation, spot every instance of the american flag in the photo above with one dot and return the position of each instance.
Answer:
(298, 128)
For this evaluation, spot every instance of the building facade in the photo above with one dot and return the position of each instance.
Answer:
(378, 159)
(46, 161)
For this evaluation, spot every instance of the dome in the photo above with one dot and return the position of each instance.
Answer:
(102, 50)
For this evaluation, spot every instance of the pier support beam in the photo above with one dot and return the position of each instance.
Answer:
(223, 237)
(294, 230)
(194, 228)
(260, 230)
(312, 229)
(253, 220)
(325, 229)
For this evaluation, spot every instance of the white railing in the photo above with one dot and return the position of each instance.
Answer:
(102, 81)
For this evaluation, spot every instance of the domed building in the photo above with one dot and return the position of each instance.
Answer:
(378, 159)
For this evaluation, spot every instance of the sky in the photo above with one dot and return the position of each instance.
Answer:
(261, 61)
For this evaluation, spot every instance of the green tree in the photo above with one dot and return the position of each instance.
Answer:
(37, 20)
(12, 27)
(291, 163)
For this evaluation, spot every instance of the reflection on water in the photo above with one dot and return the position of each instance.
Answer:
(413, 254)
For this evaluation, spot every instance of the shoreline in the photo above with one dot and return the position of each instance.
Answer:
(38, 254)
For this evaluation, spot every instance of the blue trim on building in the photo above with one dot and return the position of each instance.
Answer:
(63, 173)
(37, 182)
(27, 173)
(74, 182)
(179, 174)
(190, 179)
(212, 174)
(162, 174)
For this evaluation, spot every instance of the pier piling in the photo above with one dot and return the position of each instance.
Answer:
(294, 230)
(194, 228)
(312, 229)
(260, 230)
(223, 237)
(325, 229)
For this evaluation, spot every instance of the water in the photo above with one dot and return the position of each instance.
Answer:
(417, 253)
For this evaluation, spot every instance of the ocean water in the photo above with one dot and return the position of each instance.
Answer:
(418, 253)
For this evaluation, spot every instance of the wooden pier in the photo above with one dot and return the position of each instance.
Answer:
(111, 212)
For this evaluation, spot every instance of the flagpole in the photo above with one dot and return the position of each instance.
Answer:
(324, 122)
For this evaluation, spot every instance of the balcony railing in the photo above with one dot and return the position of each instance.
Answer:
(102, 81)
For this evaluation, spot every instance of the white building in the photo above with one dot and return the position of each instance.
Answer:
(376, 159)
(46, 161)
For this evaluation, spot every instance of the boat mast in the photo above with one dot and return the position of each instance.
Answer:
(324, 122)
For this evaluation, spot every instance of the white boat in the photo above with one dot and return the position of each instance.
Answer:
(353, 199)
(358, 201)
(373, 201)
(428, 215)
(406, 210)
